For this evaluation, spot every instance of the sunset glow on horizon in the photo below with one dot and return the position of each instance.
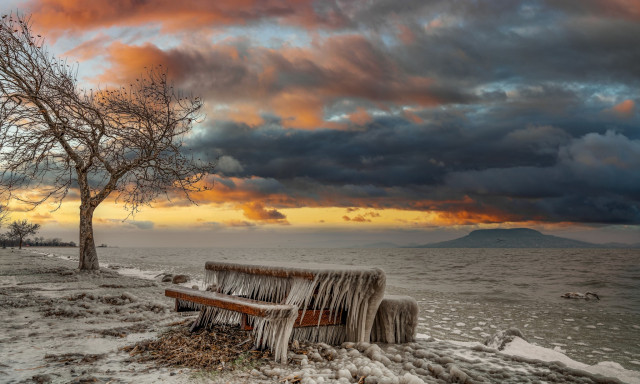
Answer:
(424, 118)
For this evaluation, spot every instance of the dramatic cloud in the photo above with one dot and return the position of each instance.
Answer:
(257, 211)
(467, 111)
(76, 16)
(293, 83)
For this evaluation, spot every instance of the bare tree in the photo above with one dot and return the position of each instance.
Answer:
(54, 136)
(21, 229)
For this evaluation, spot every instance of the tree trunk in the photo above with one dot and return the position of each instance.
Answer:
(88, 254)
(20, 244)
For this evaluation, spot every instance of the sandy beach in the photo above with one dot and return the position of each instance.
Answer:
(61, 326)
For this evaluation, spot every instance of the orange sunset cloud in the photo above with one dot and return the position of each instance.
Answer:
(624, 109)
(76, 16)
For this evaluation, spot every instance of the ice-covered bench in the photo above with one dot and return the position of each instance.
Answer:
(332, 303)
(310, 302)
(352, 292)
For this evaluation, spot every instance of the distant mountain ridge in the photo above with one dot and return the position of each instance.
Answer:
(511, 238)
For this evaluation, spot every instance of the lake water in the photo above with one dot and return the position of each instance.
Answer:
(468, 294)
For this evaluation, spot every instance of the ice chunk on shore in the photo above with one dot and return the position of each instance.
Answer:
(501, 338)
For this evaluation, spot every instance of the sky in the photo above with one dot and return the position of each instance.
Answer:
(343, 123)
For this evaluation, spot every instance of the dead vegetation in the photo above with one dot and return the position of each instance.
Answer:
(63, 312)
(74, 358)
(223, 348)
(122, 331)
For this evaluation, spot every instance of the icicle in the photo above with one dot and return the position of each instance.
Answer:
(331, 334)
(189, 305)
(257, 287)
(274, 333)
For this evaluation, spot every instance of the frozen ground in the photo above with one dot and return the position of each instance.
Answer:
(60, 326)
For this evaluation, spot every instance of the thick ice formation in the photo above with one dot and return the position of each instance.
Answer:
(436, 362)
(396, 320)
(355, 290)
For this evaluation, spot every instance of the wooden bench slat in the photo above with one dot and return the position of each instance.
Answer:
(229, 302)
(312, 318)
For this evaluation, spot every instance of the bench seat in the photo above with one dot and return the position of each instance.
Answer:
(230, 302)
(306, 318)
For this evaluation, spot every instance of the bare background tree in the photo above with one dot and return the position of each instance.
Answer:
(54, 137)
(21, 229)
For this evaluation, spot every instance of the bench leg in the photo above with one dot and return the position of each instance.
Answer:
(244, 323)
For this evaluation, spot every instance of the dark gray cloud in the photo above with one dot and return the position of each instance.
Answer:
(523, 126)
(527, 109)
(532, 172)
(523, 42)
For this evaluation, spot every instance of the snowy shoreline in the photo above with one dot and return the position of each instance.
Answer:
(39, 286)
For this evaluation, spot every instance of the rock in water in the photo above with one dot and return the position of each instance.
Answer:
(578, 295)
(179, 279)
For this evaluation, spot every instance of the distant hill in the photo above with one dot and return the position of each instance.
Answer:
(510, 238)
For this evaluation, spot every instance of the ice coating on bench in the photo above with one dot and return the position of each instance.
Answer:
(356, 290)
(396, 320)
(272, 331)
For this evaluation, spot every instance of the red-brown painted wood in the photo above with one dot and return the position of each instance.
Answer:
(228, 302)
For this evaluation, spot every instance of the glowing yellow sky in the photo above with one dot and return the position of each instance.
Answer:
(110, 214)
(229, 215)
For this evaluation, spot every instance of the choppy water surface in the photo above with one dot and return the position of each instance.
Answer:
(467, 294)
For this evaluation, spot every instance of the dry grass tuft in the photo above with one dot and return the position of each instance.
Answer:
(222, 348)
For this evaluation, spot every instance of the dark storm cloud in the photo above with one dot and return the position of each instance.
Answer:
(510, 102)
(593, 180)
(526, 110)
(539, 172)
(471, 43)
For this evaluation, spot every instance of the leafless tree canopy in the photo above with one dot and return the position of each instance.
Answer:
(53, 136)
(21, 229)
